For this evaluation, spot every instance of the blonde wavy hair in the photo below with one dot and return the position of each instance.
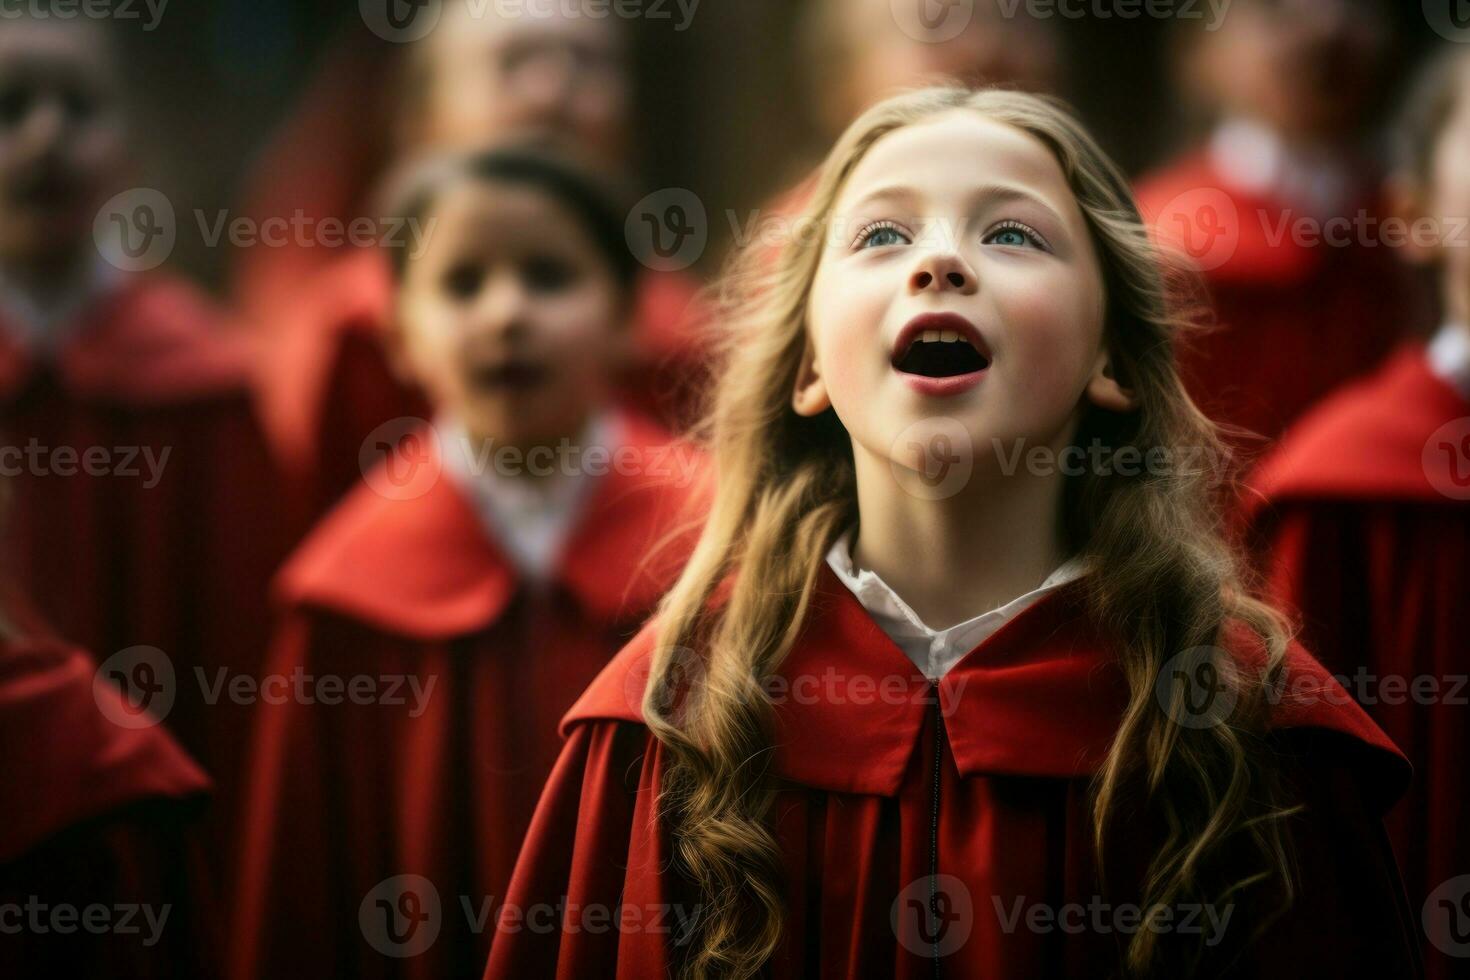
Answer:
(1164, 579)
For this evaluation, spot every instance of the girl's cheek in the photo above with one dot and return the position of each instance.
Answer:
(1051, 332)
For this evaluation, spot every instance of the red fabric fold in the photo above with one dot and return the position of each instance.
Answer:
(1293, 319)
(98, 816)
(1000, 768)
(144, 500)
(1357, 539)
(439, 778)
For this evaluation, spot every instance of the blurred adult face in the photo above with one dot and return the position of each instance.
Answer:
(537, 72)
(1306, 68)
(897, 44)
(60, 138)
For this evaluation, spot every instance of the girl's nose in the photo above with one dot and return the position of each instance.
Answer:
(943, 271)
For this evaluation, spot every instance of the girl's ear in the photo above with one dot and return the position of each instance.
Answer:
(809, 396)
(1104, 391)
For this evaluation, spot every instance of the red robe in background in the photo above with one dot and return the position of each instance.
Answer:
(980, 793)
(326, 382)
(432, 792)
(322, 164)
(97, 815)
(1293, 321)
(1361, 540)
(170, 551)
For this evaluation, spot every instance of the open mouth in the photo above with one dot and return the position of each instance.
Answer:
(516, 374)
(940, 346)
(936, 354)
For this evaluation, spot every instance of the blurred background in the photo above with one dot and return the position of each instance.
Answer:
(727, 100)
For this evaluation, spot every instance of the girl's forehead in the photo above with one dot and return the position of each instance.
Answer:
(953, 153)
(494, 216)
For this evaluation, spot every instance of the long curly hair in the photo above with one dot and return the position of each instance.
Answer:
(1164, 578)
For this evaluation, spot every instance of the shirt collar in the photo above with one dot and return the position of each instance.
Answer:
(1253, 157)
(532, 519)
(1449, 356)
(933, 651)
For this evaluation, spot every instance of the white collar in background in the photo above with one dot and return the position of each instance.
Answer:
(933, 651)
(1449, 356)
(1253, 157)
(530, 518)
(43, 323)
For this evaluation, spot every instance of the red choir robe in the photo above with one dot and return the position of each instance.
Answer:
(1359, 539)
(97, 815)
(320, 165)
(326, 383)
(346, 796)
(174, 553)
(1292, 320)
(1007, 748)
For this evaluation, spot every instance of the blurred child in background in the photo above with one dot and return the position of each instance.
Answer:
(144, 503)
(1364, 513)
(482, 76)
(1288, 87)
(498, 591)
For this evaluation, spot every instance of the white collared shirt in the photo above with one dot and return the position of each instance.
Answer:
(1252, 157)
(1449, 356)
(530, 517)
(934, 651)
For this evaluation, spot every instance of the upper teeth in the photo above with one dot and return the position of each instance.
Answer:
(939, 336)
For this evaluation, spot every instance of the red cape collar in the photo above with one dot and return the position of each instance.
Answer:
(151, 340)
(1189, 205)
(425, 566)
(67, 761)
(1040, 697)
(1367, 441)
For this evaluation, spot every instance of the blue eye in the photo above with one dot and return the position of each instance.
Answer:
(1013, 234)
(880, 236)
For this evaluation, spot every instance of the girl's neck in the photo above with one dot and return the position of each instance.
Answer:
(955, 558)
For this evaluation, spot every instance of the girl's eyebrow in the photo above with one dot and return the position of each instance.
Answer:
(984, 195)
